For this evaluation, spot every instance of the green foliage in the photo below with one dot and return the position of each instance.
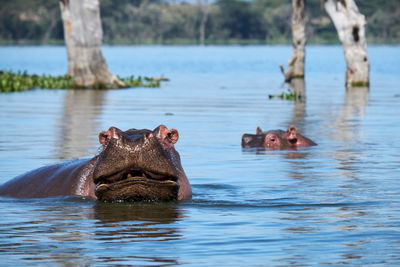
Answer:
(290, 94)
(21, 81)
(140, 81)
(173, 22)
(240, 20)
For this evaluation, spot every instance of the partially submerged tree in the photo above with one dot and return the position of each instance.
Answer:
(203, 5)
(296, 63)
(83, 38)
(349, 23)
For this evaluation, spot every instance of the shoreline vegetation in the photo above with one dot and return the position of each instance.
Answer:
(21, 81)
(188, 42)
(200, 22)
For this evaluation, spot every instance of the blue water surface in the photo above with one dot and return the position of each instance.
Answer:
(337, 203)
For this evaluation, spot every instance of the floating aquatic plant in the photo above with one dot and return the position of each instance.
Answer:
(140, 81)
(290, 94)
(20, 81)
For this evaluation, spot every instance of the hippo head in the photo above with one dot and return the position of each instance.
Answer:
(137, 165)
(276, 139)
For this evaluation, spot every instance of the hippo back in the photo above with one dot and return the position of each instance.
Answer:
(66, 178)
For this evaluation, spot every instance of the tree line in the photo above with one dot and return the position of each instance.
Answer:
(201, 21)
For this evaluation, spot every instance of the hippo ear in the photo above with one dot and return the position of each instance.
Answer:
(174, 135)
(292, 129)
(105, 136)
(292, 132)
(258, 131)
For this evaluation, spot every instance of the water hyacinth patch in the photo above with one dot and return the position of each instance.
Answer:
(287, 95)
(140, 81)
(20, 81)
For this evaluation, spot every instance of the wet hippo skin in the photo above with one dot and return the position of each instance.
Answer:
(276, 139)
(133, 165)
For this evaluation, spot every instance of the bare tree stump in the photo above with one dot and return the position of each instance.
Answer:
(349, 23)
(83, 38)
(296, 63)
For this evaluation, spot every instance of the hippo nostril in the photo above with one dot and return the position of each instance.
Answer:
(293, 141)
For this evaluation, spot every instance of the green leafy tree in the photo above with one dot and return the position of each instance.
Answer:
(239, 20)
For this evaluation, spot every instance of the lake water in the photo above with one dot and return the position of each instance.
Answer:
(336, 204)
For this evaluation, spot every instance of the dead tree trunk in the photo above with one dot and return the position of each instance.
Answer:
(296, 63)
(83, 38)
(203, 19)
(349, 23)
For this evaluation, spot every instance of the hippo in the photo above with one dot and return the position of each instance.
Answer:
(276, 139)
(133, 165)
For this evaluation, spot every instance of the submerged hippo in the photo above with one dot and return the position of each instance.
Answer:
(133, 165)
(276, 139)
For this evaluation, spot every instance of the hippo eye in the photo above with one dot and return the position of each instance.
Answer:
(169, 135)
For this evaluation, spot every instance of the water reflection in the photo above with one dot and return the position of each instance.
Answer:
(351, 115)
(357, 100)
(78, 124)
(149, 213)
(349, 131)
(40, 233)
(84, 223)
(295, 153)
(343, 220)
(299, 87)
(299, 104)
(126, 223)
